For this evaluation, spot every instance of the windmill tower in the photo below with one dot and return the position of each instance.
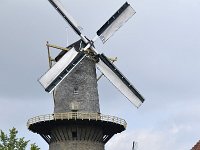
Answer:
(77, 123)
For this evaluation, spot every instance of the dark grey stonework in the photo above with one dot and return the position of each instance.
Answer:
(77, 145)
(78, 91)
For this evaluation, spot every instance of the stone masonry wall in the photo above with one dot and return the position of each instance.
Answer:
(76, 145)
(78, 91)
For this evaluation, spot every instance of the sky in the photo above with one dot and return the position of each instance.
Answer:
(158, 50)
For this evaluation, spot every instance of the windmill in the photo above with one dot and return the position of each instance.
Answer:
(77, 122)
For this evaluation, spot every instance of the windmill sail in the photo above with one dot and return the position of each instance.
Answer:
(115, 22)
(61, 69)
(118, 80)
(70, 20)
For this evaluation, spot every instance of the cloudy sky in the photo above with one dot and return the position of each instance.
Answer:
(158, 50)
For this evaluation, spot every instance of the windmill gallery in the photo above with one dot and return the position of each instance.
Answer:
(77, 123)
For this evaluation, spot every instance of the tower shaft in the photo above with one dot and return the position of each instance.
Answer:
(78, 91)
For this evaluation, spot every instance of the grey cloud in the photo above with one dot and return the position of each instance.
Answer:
(158, 51)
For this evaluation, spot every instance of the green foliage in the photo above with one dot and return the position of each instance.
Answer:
(11, 142)
(34, 147)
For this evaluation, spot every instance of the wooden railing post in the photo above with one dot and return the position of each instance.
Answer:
(75, 116)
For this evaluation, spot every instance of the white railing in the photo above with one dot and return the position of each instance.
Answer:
(75, 116)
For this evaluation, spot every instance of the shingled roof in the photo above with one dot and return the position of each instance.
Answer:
(197, 146)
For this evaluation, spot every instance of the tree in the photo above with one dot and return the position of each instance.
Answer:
(34, 147)
(11, 142)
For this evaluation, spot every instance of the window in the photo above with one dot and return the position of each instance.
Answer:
(74, 134)
(76, 90)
